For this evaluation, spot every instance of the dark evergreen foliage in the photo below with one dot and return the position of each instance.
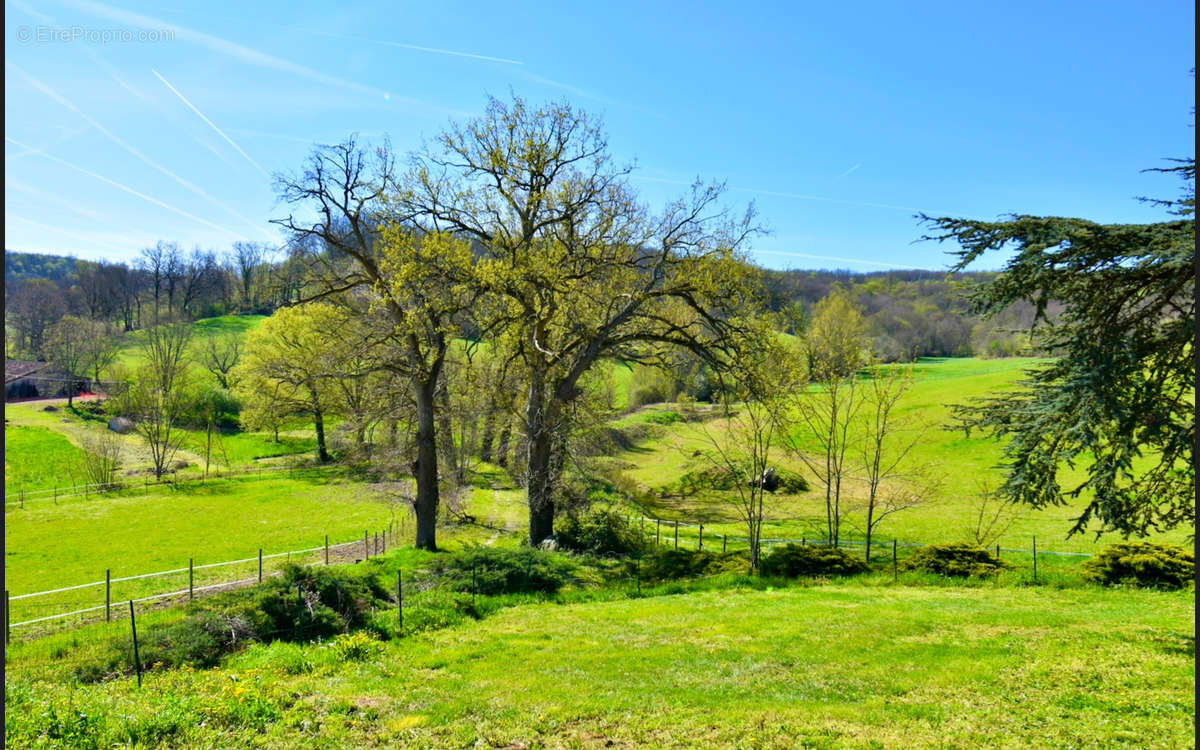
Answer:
(1118, 399)
(1142, 564)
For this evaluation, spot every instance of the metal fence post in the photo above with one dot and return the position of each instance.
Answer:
(6, 619)
(366, 545)
(676, 535)
(108, 595)
(657, 531)
(260, 564)
(700, 543)
(326, 549)
(191, 580)
(1035, 559)
(722, 543)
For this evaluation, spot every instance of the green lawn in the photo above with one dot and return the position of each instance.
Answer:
(48, 546)
(834, 666)
(38, 458)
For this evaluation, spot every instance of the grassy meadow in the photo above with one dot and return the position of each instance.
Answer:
(726, 660)
(963, 465)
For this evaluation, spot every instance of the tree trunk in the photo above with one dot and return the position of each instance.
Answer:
(489, 429)
(425, 467)
(539, 484)
(502, 444)
(319, 423)
(446, 432)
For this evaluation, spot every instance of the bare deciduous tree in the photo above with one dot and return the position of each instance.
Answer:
(101, 459)
(895, 480)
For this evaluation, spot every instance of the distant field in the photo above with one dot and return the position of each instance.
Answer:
(37, 458)
(29, 424)
(964, 465)
(131, 354)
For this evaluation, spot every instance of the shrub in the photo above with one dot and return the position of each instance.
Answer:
(602, 531)
(1142, 564)
(315, 602)
(356, 646)
(664, 417)
(792, 560)
(491, 571)
(665, 564)
(959, 559)
(719, 478)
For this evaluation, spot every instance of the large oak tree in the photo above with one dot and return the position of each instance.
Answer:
(574, 268)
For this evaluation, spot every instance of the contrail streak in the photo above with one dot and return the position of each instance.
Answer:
(127, 189)
(386, 43)
(32, 81)
(851, 169)
(210, 123)
(222, 46)
(42, 195)
(798, 196)
(67, 233)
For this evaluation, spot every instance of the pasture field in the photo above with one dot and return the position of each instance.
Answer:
(48, 546)
(131, 356)
(963, 465)
(42, 448)
(853, 665)
(34, 457)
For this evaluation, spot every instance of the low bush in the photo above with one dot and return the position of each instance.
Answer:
(491, 571)
(793, 560)
(957, 559)
(1142, 564)
(720, 478)
(665, 564)
(600, 531)
(356, 646)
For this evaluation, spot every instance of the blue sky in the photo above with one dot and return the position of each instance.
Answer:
(839, 120)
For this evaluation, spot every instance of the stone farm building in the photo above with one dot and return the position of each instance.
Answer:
(24, 379)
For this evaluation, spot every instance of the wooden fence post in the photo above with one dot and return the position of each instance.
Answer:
(366, 545)
(137, 659)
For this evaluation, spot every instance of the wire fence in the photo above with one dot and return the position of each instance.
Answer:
(80, 489)
(85, 602)
(666, 532)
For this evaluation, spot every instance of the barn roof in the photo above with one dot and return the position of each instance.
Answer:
(15, 369)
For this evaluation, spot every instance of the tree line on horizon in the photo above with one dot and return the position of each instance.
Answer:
(909, 313)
